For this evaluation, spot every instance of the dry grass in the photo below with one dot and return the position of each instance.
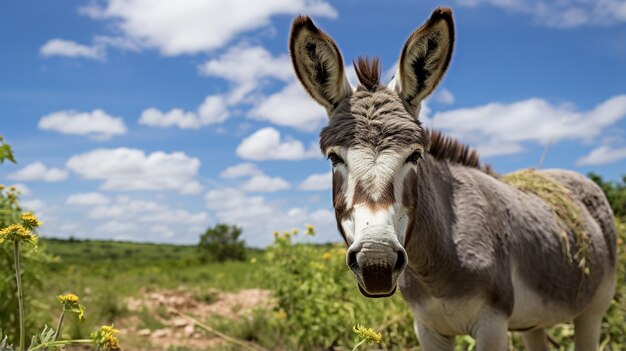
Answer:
(563, 208)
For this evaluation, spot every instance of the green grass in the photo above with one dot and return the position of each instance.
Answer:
(105, 273)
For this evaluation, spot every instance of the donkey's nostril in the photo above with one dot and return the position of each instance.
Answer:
(352, 260)
(400, 261)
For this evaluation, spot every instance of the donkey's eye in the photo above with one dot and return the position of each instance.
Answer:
(335, 159)
(414, 157)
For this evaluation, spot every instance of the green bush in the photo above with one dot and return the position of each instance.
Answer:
(32, 268)
(318, 302)
(222, 243)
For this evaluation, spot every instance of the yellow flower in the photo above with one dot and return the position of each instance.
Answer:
(280, 314)
(287, 235)
(12, 188)
(30, 220)
(2, 187)
(253, 260)
(68, 299)
(317, 265)
(327, 256)
(106, 338)
(367, 334)
(276, 234)
(18, 232)
(310, 230)
(294, 231)
(70, 303)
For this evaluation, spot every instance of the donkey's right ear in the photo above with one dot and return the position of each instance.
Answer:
(318, 63)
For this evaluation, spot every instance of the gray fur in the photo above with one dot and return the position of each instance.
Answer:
(374, 119)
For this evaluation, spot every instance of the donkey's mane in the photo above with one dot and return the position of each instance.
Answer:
(448, 149)
(368, 71)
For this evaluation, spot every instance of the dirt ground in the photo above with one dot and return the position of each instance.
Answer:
(175, 331)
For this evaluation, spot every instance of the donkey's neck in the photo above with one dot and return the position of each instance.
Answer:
(430, 246)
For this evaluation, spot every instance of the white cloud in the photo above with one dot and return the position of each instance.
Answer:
(163, 230)
(146, 211)
(34, 205)
(260, 218)
(318, 181)
(245, 63)
(563, 14)
(117, 227)
(96, 124)
(266, 144)
(241, 170)
(212, 111)
(501, 129)
(37, 171)
(68, 48)
(291, 107)
(132, 169)
(264, 183)
(87, 199)
(445, 97)
(602, 155)
(192, 26)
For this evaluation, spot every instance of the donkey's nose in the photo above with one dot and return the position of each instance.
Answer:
(377, 259)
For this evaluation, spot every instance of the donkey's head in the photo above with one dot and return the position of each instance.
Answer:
(374, 141)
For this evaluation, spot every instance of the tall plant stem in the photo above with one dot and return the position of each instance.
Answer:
(20, 293)
(58, 331)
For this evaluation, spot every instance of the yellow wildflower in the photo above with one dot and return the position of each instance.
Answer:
(253, 260)
(2, 187)
(30, 220)
(317, 266)
(280, 314)
(276, 234)
(310, 230)
(327, 256)
(294, 231)
(367, 334)
(18, 232)
(68, 298)
(287, 235)
(106, 338)
(70, 303)
(12, 188)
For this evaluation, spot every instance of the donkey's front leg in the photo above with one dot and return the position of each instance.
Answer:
(430, 340)
(490, 331)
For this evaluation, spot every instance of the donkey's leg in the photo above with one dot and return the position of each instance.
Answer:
(490, 331)
(587, 331)
(587, 325)
(535, 340)
(431, 340)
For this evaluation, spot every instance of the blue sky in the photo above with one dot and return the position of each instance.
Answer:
(150, 120)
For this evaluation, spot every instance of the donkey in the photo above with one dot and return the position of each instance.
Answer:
(471, 253)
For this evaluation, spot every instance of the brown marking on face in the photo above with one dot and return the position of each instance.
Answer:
(362, 195)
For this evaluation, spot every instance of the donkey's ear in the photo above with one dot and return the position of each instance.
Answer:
(318, 63)
(425, 58)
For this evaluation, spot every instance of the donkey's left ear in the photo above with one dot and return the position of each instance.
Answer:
(318, 63)
(425, 58)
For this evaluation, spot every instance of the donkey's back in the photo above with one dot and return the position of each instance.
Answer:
(561, 251)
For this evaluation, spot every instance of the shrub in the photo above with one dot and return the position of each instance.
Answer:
(221, 243)
(318, 303)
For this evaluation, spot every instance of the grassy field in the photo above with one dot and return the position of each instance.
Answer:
(287, 297)
(107, 275)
